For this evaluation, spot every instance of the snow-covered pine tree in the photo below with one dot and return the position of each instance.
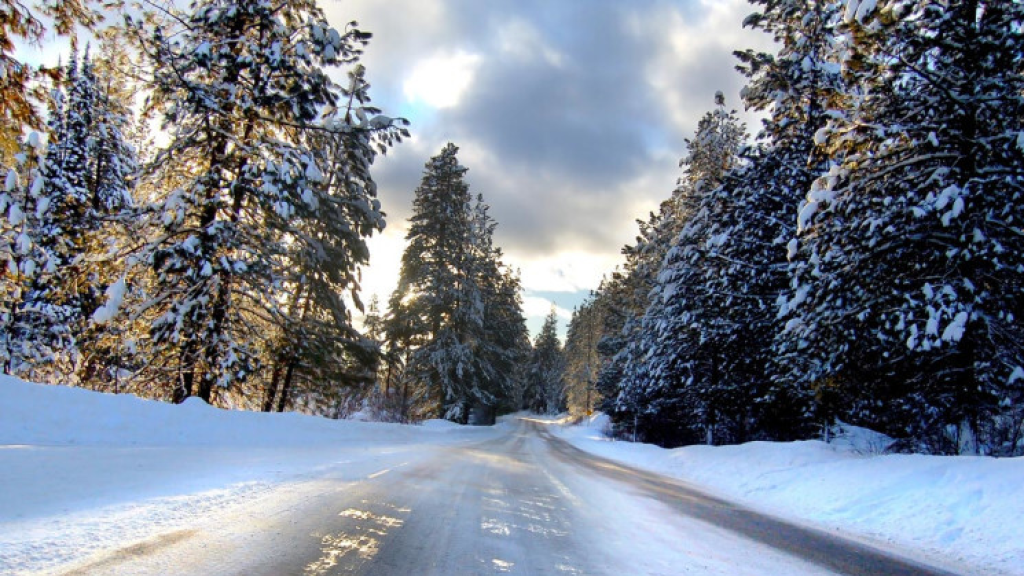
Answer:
(583, 363)
(27, 22)
(84, 139)
(89, 174)
(907, 287)
(624, 380)
(383, 401)
(438, 308)
(745, 266)
(509, 344)
(25, 260)
(689, 387)
(242, 87)
(504, 344)
(547, 369)
(320, 355)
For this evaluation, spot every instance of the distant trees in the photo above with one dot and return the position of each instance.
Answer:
(583, 361)
(455, 329)
(546, 390)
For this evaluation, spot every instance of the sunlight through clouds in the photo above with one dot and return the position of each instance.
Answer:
(560, 111)
(441, 80)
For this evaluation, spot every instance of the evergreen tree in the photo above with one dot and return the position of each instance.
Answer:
(89, 174)
(688, 394)
(26, 261)
(440, 308)
(587, 348)
(906, 289)
(624, 380)
(510, 347)
(744, 270)
(547, 369)
(505, 341)
(319, 349)
(265, 225)
(84, 180)
(28, 22)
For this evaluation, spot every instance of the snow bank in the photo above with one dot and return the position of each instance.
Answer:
(963, 510)
(83, 471)
(58, 415)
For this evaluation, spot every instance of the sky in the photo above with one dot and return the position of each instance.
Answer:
(571, 116)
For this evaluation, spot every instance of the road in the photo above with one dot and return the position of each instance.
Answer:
(523, 502)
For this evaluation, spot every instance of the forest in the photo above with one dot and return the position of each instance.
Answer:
(188, 199)
(860, 262)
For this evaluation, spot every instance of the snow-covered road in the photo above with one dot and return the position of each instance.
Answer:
(514, 501)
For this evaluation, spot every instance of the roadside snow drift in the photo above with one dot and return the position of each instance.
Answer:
(82, 471)
(961, 510)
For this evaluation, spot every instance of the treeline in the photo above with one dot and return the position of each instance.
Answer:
(220, 261)
(861, 262)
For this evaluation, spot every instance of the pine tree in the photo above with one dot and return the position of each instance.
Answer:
(509, 338)
(744, 268)
(547, 369)
(89, 174)
(28, 22)
(438, 305)
(504, 340)
(624, 380)
(25, 260)
(53, 308)
(688, 387)
(907, 279)
(248, 104)
(319, 348)
(581, 359)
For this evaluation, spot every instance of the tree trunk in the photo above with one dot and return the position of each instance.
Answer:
(268, 400)
(286, 386)
(186, 374)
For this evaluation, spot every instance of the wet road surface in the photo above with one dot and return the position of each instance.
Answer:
(523, 502)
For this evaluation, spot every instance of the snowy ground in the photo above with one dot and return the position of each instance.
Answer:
(966, 511)
(82, 472)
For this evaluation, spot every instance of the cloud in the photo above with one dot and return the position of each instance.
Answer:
(536, 306)
(441, 80)
(571, 116)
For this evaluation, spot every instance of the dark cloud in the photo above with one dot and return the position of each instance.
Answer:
(577, 111)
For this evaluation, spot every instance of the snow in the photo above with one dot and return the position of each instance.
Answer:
(859, 9)
(955, 330)
(963, 512)
(1018, 374)
(15, 216)
(83, 471)
(115, 297)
